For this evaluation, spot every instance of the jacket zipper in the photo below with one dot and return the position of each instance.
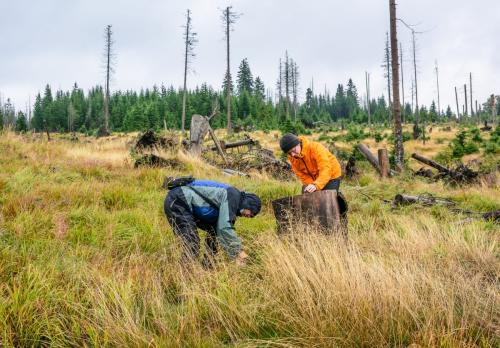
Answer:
(305, 165)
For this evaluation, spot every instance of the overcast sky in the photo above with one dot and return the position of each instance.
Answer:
(59, 42)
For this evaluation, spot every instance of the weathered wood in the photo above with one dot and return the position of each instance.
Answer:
(402, 199)
(431, 163)
(383, 162)
(319, 209)
(217, 144)
(197, 131)
(370, 157)
(237, 144)
(232, 172)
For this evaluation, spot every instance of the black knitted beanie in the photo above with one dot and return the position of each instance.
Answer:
(288, 142)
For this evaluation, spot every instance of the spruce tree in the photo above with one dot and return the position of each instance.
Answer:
(244, 78)
(259, 89)
(21, 124)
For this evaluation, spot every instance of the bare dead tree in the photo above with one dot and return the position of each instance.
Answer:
(415, 80)
(367, 80)
(279, 85)
(477, 114)
(396, 105)
(189, 41)
(412, 94)
(228, 17)
(465, 95)
(470, 91)
(295, 86)
(287, 78)
(493, 109)
(415, 83)
(109, 60)
(456, 100)
(402, 83)
(437, 86)
(387, 68)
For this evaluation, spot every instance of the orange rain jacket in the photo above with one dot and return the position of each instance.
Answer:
(315, 165)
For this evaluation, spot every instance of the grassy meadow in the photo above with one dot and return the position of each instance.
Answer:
(87, 258)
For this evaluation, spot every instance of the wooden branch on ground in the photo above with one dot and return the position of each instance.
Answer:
(217, 144)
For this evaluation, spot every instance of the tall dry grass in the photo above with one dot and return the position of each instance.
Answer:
(87, 259)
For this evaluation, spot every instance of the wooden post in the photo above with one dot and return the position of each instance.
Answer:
(383, 162)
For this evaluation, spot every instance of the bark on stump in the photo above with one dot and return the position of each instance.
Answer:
(319, 209)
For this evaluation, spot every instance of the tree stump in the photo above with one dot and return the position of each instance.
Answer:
(198, 130)
(319, 209)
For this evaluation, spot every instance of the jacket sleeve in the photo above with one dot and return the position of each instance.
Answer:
(325, 165)
(226, 234)
(306, 179)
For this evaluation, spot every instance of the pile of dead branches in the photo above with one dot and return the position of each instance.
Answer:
(151, 141)
(263, 160)
(461, 174)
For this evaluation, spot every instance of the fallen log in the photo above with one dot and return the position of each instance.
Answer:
(427, 200)
(231, 172)
(370, 157)
(235, 144)
(429, 162)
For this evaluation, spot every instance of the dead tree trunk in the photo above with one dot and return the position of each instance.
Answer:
(396, 105)
(228, 18)
(402, 84)
(383, 162)
(470, 95)
(415, 77)
(105, 127)
(370, 157)
(431, 163)
(198, 130)
(189, 40)
(402, 199)
(437, 83)
(367, 78)
(388, 68)
(465, 95)
(456, 99)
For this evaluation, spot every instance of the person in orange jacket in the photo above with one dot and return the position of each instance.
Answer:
(316, 167)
